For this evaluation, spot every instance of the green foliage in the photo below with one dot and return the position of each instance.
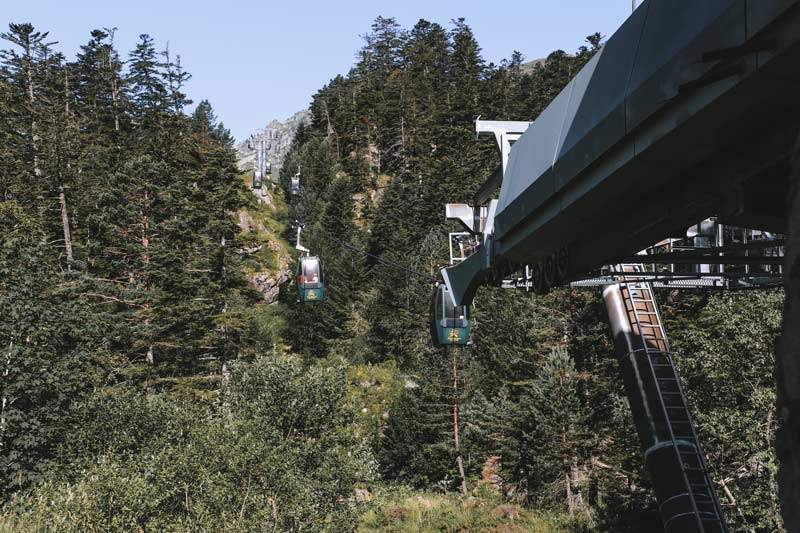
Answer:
(725, 350)
(119, 242)
(205, 126)
(277, 453)
(551, 428)
(408, 511)
(373, 390)
(417, 448)
(135, 391)
(47, 361)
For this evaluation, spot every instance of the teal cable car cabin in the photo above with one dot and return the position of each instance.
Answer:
(450, 324)
(310, 281)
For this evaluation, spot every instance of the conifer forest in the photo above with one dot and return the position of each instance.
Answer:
(148, 386)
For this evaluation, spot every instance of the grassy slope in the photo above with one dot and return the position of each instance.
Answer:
(267, 223)
(405, 510)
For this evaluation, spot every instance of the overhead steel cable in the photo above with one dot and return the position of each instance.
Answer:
(413, 313)
(379, 259)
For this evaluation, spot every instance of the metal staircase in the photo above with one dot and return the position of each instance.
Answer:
(688, 501)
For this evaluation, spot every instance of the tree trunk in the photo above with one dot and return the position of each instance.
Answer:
(150, 359)
(568, 494)
(5, 400)
(576, 495)
(150, 356)
(37, 171)
(733, 502)
(114, 81)
(456, 421)
(223, 351)
(62, 199)
(788, 363)
(403, 142)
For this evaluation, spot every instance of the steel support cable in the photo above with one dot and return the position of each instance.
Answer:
(403, 309)
(392, 268)
(378, 258)
(386, 262)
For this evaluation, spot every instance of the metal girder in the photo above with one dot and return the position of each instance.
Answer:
(606, 141)
(598, 171)
(463, 213)
(744, 281)
(505, 132)
(464, 278)
(500, 127)
(698, 257)
(666, 280)
(491, 185)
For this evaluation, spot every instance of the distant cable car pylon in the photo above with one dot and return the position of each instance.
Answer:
(261, 167)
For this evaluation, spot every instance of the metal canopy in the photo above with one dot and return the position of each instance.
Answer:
(685, 113)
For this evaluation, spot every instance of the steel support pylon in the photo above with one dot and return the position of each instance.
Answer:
(687, 501)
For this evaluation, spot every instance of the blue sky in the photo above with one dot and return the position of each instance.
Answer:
(259, 60)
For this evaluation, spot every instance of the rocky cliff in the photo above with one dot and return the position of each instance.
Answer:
(278, 137)
(267, 257)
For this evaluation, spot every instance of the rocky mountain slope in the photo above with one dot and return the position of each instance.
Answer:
(278, 137)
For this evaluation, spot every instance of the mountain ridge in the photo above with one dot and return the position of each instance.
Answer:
(277, 135)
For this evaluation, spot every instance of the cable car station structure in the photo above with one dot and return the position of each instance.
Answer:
(664, 162)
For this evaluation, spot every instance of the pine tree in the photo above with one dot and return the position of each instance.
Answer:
(206, 128)
(49, 358)
(27, 69)
(148, 94)
(551, 433)
(7, 159)
(378, 70)
(99, 89)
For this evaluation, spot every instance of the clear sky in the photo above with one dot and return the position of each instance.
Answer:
(259, 60)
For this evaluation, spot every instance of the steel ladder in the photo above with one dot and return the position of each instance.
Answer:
(645, 321)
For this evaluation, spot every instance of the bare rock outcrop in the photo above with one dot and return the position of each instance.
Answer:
(269, 284)
(277, 136)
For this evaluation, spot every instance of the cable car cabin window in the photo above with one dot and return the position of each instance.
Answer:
(452, 316)
(310, 273)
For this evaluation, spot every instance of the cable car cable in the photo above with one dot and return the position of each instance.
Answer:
(454, 336)
(379, 258)
(391, 264)
(384, 263)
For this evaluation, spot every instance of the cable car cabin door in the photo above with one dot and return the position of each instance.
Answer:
(450, 325)
(310, 283)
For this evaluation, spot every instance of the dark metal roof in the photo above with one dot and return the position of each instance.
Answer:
(655, 58)
(688, 111)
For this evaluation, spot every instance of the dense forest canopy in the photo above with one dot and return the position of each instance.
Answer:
(146, 384)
